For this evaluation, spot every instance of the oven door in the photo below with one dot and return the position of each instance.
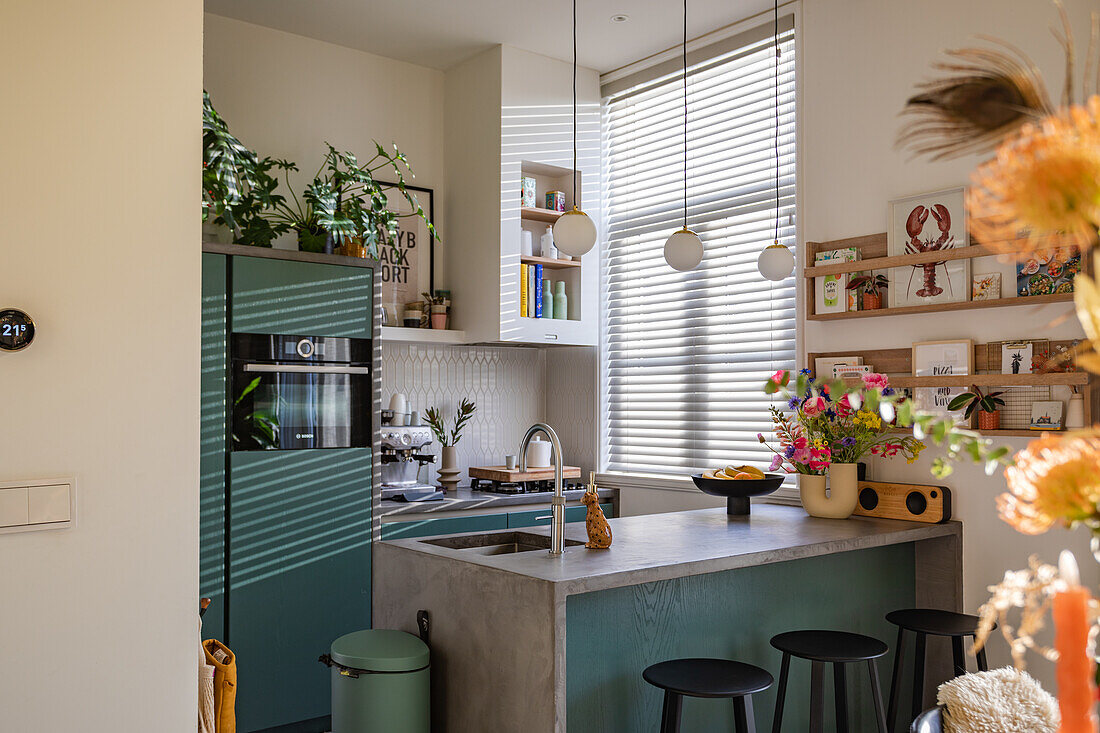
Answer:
(293, 406)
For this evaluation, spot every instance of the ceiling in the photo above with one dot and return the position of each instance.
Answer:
(441, 33)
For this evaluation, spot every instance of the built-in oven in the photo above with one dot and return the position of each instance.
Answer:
(298, 392)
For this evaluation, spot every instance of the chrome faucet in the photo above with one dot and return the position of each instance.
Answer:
(557, 504)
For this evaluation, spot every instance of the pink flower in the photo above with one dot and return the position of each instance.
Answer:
(876, 381)
(843, 408)
(813, 406)
(800, 443)
(777, 461)
(780, 378)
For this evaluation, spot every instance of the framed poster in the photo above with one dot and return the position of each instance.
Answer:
(928, 222)
(406, 276)
(940, 359)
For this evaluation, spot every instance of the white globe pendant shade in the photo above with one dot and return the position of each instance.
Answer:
(776, 262)
(574, 233)
(683, 250)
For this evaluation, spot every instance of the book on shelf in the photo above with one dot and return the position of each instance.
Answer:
(530, 291)
(538, 292)
(523, 290)
(831, 292)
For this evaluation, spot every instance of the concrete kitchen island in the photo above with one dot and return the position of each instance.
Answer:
(522, 641)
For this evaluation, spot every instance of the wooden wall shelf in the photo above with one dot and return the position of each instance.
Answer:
(991, 380)
(529, 213)
(988, 433)
(943, 307)
(548, 263)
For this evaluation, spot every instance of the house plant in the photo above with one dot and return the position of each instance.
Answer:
(448, 473)
(871, 286)
(439, 308)
(984, 404)
(228, 168)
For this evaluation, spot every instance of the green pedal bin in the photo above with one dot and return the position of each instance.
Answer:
(380, 683)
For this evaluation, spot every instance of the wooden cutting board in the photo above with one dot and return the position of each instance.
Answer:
(506, 476)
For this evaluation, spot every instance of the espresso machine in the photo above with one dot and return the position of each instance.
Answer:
(403, 455)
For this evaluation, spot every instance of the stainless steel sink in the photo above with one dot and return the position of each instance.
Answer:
(497, 543)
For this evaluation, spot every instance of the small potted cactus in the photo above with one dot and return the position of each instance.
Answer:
(871, 286)
(989, 418)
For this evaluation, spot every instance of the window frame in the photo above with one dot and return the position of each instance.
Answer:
(788, 493)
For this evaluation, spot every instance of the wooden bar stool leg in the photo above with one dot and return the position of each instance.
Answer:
(840, 695)
(983, 666)
(918, 677)
(876, 694)
(957, 655)
(781, 693)
(817, 696)
(743, 716)
(670, 716)
(895, 679)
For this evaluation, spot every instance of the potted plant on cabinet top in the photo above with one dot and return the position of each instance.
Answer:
(448, 473)
(871, 286)
(439, 307)
(989, 418)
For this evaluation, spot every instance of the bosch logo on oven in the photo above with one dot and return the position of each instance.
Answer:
(303, 436)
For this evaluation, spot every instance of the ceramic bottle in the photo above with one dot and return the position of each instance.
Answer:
(561, 301)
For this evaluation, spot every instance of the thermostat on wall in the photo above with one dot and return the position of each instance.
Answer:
(16, 330)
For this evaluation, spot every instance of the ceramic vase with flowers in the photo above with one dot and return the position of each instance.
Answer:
(821, 434)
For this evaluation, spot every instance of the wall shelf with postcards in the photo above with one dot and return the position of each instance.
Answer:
(926, 264)
(1035, 381)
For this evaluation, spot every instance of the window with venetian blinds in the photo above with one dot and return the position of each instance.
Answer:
(685, 355)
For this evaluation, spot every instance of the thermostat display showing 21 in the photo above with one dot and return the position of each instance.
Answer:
(16, 330)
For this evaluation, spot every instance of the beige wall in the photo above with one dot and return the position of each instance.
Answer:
(284, 95)
(860, 61)
(99, 243)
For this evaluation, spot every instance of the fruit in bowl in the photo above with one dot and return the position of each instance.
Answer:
(737, 484)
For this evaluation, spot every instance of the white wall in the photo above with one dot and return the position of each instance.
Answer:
(860, 61)
(285, 95)
(99, 243)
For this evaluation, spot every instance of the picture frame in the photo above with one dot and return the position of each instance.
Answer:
(1047, 415)
(403, 281)
(985, 287)
(923, 215)
(1017, 357)
(941, 358)
(823, 365)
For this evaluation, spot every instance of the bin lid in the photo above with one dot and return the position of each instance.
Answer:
(380, 650)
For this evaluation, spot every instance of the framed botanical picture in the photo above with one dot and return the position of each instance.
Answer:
(1016, 358)
(985, 287)
(408, 274)
(929, 222)
(940, 359)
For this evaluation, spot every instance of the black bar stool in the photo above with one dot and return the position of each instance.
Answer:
(707, 678)
(925, 622)
(828, 647)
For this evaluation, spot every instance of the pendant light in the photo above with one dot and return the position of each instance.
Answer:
(684, 250)
(574, 231)
(776, 261)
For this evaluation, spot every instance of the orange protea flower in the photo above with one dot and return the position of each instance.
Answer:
(1042, 190)
(1055, 479)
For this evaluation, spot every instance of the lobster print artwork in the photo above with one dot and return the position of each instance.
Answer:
(929, 223)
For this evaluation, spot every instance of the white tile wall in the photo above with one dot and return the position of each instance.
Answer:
(513, 388)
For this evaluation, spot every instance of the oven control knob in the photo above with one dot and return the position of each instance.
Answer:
(406, 439)
(305, 348)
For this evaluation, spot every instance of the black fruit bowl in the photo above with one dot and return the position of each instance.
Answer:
(737, 493)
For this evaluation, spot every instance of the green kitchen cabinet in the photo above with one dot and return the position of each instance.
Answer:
(299, 575)
(301, 298)
(428, 527)
(213, 420)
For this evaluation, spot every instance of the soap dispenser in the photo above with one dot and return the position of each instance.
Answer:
(546, 244)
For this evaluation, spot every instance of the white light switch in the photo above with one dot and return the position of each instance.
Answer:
(48, 504)
(14, 507)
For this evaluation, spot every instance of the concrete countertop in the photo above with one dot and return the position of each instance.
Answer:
(465, 499)
(677, 544)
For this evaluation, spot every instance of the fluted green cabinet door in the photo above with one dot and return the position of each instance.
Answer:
(292, 298)
(299, 575)
(212, 441)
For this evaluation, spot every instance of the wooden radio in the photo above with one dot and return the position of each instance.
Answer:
(914, 502)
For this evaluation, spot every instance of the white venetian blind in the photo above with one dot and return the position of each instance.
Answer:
(685, 355)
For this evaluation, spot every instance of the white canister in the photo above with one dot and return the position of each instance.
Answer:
(526, 243)
(538, 453)
(546, 245)
(400, 409)
(1075, 412)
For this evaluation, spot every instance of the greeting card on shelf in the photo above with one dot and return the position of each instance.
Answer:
(939, 359)
(1017, 357)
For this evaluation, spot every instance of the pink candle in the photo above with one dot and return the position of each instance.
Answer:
(1076, 671)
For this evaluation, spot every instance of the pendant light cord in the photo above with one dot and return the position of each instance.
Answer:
(777, 53)
(685, 114)
(575, 202)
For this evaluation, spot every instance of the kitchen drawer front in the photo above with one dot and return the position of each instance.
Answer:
(449, 525)
(299, 575)
(517, 520)
(212, 441)
(301, 298)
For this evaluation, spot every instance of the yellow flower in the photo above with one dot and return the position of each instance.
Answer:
(1054, 479)
(1043, 186)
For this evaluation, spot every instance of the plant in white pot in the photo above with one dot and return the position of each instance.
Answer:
(836, 433)
(448, 472)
